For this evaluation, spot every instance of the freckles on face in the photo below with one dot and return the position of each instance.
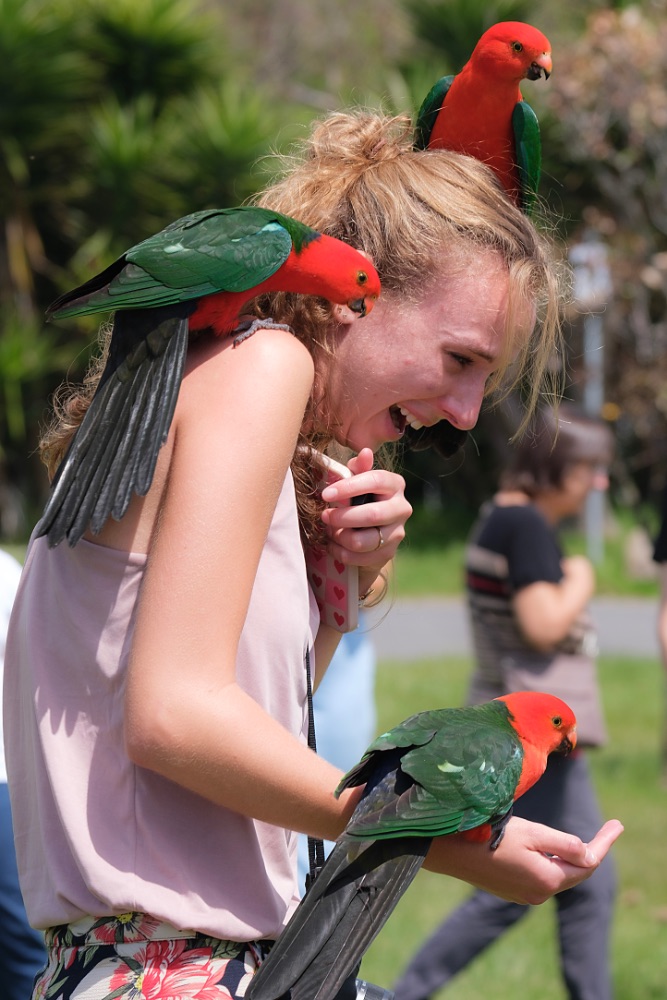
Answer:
(420, 362)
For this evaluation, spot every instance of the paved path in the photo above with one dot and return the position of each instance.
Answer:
(437, 626)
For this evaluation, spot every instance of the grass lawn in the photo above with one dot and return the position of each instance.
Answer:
(524, 964)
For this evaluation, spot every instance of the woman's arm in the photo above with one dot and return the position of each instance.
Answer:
(547, 611)
(235, 430)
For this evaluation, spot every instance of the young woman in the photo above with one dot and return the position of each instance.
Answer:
(531, 631)
(156, 685)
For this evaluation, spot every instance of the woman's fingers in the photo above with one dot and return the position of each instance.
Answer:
(366, 533)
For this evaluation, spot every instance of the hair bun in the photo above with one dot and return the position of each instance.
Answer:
(360, 140)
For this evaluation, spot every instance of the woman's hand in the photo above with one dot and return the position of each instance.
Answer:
(368, 534)
(532, 863)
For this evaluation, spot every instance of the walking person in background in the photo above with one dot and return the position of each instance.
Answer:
(660, 557)
(22, 952)
(531, 631)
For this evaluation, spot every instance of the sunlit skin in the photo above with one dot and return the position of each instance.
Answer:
(431, 359)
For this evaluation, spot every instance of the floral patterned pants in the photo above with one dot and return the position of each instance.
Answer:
(136, 957)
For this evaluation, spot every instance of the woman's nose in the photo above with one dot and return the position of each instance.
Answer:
(462, 410)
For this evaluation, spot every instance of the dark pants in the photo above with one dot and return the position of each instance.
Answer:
(564, 799)
(22, 952)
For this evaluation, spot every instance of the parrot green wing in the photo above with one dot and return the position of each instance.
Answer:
(466, 774)
(201, 254)
(154, 289)
(429, 110)
(528, 152)
(417, 730)
(229, 250)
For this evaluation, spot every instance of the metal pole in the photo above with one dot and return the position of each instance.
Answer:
(594, 513)
(592, 287)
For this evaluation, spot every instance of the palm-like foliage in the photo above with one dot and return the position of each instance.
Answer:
(453, 27)
(41, 80)
(126, 191)
(99, 147)
(160, 48)
(225, 131)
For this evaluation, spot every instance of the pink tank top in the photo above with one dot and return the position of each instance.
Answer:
(97, 835)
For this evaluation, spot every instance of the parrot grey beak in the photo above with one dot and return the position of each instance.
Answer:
(568, 743)
(540, 66)
(358, 306)
(354, 309)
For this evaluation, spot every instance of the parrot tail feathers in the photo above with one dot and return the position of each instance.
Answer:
(114, 451)
(338, 919)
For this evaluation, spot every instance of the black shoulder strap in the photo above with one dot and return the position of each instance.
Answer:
(315, 846)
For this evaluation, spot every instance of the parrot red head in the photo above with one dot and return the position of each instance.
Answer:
(543, 720)
(513, 51)
(339, 273)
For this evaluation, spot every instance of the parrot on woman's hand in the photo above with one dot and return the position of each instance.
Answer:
(197, 273)
(481, 112)
(456, 770)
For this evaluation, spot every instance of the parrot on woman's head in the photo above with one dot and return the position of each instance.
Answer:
(456, 770)
(481, 112)
(197, 273)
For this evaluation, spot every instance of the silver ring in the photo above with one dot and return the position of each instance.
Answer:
(380, 539)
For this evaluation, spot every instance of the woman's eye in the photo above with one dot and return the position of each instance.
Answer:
(461, 360)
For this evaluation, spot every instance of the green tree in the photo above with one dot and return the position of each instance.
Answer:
(606, 144)
(113, 122)
(41, 82)
(157, 48)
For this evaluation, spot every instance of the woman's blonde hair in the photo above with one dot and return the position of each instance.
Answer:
(419, 215)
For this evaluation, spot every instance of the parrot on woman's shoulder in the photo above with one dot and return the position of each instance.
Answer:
(480, 111)
(455, 770)
(198, 273)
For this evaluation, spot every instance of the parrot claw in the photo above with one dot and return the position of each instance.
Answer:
(498, 830)
(250, 324)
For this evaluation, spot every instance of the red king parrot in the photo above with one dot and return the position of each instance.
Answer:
(199, 272)
(480, 111)
(440, 772)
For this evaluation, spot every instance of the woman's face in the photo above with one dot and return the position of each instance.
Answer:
(420, 362)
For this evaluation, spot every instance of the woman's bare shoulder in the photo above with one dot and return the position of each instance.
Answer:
(266, 350)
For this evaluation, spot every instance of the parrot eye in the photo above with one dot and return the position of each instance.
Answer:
(517, 46)
(557, 721)
(362, 277)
